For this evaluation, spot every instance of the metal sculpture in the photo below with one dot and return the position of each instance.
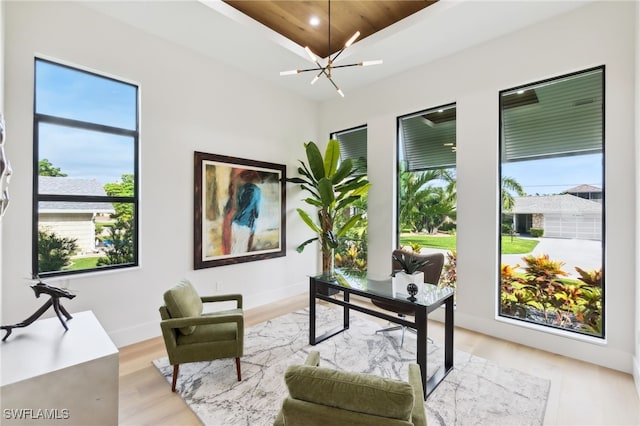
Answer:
(5, 172)
(54, 293)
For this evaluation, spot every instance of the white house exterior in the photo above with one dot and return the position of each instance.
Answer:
(560, 216)
(72, 220)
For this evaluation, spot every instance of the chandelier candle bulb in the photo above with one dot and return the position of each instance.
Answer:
(367, 63)
(290, 72)
(352, 39)
(311, 54)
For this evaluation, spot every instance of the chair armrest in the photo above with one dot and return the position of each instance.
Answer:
(418, 414)
(223, 298)
(202, 320)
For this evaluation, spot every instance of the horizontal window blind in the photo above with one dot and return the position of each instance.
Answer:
(561, 117)
(353, 145)
(428, 142)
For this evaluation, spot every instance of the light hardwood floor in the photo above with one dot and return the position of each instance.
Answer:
(581, 393)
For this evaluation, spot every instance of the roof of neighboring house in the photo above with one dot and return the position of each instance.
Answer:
(565, 203)
(71, 186)
(584, 188)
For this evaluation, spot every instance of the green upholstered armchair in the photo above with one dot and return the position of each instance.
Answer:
(322, 396)
(191, 336)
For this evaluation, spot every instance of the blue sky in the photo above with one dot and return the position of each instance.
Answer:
(555, 175)
(68, 93)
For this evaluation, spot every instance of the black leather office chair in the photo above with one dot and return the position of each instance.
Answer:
(431, 270)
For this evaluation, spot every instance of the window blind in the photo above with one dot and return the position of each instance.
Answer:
(561, 117)
(353, 145)
(428, 139)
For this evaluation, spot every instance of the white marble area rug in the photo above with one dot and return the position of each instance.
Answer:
(476, 392)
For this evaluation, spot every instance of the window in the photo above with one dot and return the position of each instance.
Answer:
(552, 203)
(351, 253)
(85, 180)
(426, 182)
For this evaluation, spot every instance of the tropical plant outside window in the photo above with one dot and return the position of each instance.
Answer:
(351, 253)
(85, 171)
(427, 185)
(551, 169)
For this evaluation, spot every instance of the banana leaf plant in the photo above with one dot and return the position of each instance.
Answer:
(332, 189)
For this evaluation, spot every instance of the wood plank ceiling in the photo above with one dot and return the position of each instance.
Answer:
(291, 18)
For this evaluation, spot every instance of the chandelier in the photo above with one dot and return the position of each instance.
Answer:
(328, 68)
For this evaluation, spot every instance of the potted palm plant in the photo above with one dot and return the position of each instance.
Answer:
(332, 189)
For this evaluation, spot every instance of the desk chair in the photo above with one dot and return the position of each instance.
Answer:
(432, 271)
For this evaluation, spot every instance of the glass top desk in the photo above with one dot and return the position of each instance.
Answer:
(427, 300)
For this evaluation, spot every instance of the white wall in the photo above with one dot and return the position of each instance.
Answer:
(473, 78)
(2, 27)
(636, 359)
(188, 103)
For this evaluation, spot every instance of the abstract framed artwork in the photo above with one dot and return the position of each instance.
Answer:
(239, 208)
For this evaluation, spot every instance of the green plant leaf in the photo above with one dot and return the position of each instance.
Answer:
(343, 171)
(331, 158)
(325, 188)
(297, 180)
(301, 247)
(330, 239)
(311, 190)
(315, 160)
(352, 184)
(344, 202)
(362, 190)
(350, 223)
(307, 219)
(304, 171)
(314, 202)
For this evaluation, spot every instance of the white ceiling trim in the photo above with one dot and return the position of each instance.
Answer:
(437, 31)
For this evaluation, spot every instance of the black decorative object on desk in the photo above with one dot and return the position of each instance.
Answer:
(412, 289)
(54, 293)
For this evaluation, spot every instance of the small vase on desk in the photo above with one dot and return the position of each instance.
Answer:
(401, 279)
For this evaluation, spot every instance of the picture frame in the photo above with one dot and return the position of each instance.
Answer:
(239, 210)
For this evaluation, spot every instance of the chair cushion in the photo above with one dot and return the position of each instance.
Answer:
(207, 333)
(182, 301)
(357, 392)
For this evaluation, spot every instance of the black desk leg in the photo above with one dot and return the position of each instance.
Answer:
(448, 334)
(421, 357)
(345, 320)
(312, 311)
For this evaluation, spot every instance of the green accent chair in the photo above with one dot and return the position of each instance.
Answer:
(191, 336)
(322, 396)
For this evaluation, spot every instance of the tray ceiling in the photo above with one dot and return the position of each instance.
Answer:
(292, 18)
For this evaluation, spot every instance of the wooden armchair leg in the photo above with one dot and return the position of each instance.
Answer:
(238, 369)
(175, 377)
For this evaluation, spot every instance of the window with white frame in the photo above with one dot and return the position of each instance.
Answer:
(85, 173)
(351, 253)
(552, 203)
(426, 182)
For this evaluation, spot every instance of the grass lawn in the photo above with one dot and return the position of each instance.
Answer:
(83, 263)
(509, 245)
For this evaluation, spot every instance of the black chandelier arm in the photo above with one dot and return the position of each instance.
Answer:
(357, 64)
(338, 54)
(334, 85)
(319, 68)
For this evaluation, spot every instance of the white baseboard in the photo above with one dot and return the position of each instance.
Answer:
(151, 329)
(135, 334)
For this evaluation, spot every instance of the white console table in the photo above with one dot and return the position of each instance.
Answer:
(52, 376)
